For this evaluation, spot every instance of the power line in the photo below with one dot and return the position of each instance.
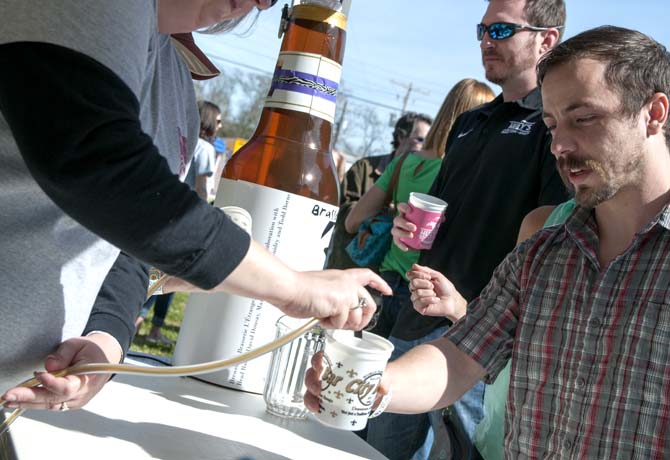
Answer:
(265, 72)
(368, 101)
(381, 71)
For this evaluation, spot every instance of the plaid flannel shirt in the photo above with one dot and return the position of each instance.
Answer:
(590, 346)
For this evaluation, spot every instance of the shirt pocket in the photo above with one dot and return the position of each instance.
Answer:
(645, 350)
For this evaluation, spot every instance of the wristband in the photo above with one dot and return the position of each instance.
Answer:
(383, 404)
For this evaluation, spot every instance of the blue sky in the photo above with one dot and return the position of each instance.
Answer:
(428, 43)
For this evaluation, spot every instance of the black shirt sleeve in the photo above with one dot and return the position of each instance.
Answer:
(120, 299)
(78, 130)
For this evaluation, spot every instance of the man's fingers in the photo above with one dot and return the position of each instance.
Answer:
(427, 306)
(420, 283)
(425, 293)
(311, 402)
(317, 363)
(312, 381)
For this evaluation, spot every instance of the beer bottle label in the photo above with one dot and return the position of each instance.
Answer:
(294, 228)
(305, 82)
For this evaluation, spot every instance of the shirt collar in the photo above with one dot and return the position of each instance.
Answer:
(662, 219)
(199, 65)
(580, 219)
(532, 101)
(583, 220)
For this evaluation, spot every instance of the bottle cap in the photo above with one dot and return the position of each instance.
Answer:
(240, 216)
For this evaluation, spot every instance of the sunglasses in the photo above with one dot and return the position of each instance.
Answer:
(503, 30)
(418, 140)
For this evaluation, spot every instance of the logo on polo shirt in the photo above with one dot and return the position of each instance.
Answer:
(522, 127)
(463, 134)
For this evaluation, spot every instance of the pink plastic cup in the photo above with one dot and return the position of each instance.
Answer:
(426, 212)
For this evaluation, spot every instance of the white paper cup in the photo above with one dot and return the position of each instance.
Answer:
(353, 368)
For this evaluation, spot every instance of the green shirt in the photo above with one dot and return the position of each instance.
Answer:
(417, 175)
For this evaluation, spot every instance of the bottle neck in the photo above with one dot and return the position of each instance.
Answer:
(308, 69)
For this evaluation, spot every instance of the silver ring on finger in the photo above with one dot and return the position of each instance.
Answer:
(361, 303)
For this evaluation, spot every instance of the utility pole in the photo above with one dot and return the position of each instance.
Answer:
(406, 98)
(409, 88)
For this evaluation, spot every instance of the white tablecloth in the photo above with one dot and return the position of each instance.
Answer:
(137, 417)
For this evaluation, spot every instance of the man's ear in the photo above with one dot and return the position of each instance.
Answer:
(657, 114)
(549, 40)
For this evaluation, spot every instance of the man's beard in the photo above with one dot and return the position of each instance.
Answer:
(589, 198)
(614, 176)
(524, 60)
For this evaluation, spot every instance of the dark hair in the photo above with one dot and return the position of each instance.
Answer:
(637, 66)
(546, 13)
(465, 95)
(405, 124)
(208, 113)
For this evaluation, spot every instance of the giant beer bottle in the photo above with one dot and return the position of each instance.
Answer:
(284, 177)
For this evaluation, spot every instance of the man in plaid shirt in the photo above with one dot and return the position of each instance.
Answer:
(582, 309)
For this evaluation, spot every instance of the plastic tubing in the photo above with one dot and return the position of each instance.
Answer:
(176, 371)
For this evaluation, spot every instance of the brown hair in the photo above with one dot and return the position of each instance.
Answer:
(208, 124)
(546, 13)
(465, 95)
(637, 67)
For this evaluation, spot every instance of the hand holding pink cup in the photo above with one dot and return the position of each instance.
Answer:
(426, 212)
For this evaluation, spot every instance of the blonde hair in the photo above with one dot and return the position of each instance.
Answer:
(465, 95)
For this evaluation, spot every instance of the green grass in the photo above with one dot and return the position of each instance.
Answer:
(170, 329)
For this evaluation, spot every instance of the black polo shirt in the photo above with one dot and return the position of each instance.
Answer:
(497, 168)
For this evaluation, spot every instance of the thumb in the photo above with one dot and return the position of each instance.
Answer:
(62, 357)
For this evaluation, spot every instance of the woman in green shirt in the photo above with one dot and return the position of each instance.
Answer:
(417, 173)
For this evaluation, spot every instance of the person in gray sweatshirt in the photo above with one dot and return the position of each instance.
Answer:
(96, 198)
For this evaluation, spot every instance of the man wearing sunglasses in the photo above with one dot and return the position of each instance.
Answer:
(103, 176)
(497, 168)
